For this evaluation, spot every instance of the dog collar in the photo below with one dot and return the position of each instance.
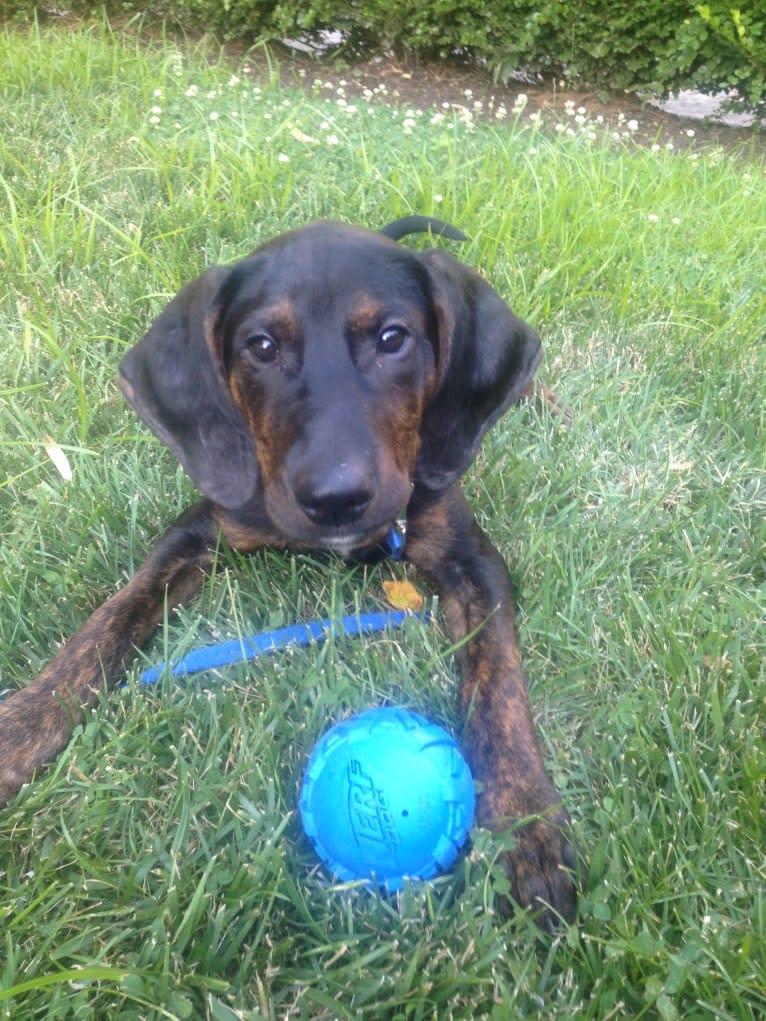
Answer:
(396, 539)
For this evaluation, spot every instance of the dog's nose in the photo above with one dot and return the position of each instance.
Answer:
(339, 498)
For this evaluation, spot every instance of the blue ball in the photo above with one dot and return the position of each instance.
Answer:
(387, 795)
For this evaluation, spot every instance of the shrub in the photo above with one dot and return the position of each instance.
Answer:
(658, 46)
(725, 48)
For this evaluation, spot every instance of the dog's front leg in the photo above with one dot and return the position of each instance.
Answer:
(476, 600)
(36, 722)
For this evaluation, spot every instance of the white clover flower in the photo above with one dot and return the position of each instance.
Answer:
(690, 132)
(633, 125)
(154, 120)
(676, 221)
(156, 109)
(332, 140)
(653, 218)
(283, 158)
(191, 91)
(438, 199)
(213, 115)
(157, 93)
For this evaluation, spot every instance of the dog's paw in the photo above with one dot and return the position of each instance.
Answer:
(34, 727)
(542, 869)
(15, 770)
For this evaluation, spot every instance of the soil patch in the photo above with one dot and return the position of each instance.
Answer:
(472, 93)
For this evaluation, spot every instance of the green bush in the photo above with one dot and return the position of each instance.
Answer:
(726, 48)
(658, 46)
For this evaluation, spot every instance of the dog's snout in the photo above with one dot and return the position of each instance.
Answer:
(335, 498)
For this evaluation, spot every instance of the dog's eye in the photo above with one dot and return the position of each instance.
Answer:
(262, 347)
(392, 339)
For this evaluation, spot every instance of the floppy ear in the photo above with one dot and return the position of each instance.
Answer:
(175, 381)
(486, 357)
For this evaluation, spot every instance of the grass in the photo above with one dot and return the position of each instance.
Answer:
(157, 869)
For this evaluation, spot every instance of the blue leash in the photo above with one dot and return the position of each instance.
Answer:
(242, 650)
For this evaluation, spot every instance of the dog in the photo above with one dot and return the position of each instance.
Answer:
(325, 387)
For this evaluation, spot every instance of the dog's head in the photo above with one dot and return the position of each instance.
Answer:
(327, 374)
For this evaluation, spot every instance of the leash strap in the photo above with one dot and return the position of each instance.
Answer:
(242, 650)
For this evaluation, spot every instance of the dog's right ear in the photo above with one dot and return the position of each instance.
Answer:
(174, 379)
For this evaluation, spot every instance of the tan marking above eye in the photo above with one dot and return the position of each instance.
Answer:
(365, 315)
(279, 320)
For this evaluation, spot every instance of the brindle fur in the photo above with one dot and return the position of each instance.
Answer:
(323, 445)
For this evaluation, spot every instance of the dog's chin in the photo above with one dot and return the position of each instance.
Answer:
(347, 544)
(343, 540)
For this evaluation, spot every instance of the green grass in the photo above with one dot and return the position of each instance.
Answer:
(157, 869)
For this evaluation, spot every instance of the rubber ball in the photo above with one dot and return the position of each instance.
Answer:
(387, 796)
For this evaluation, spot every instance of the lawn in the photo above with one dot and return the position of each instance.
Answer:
(157, 870)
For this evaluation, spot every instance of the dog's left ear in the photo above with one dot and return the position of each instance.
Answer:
(486, 357)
